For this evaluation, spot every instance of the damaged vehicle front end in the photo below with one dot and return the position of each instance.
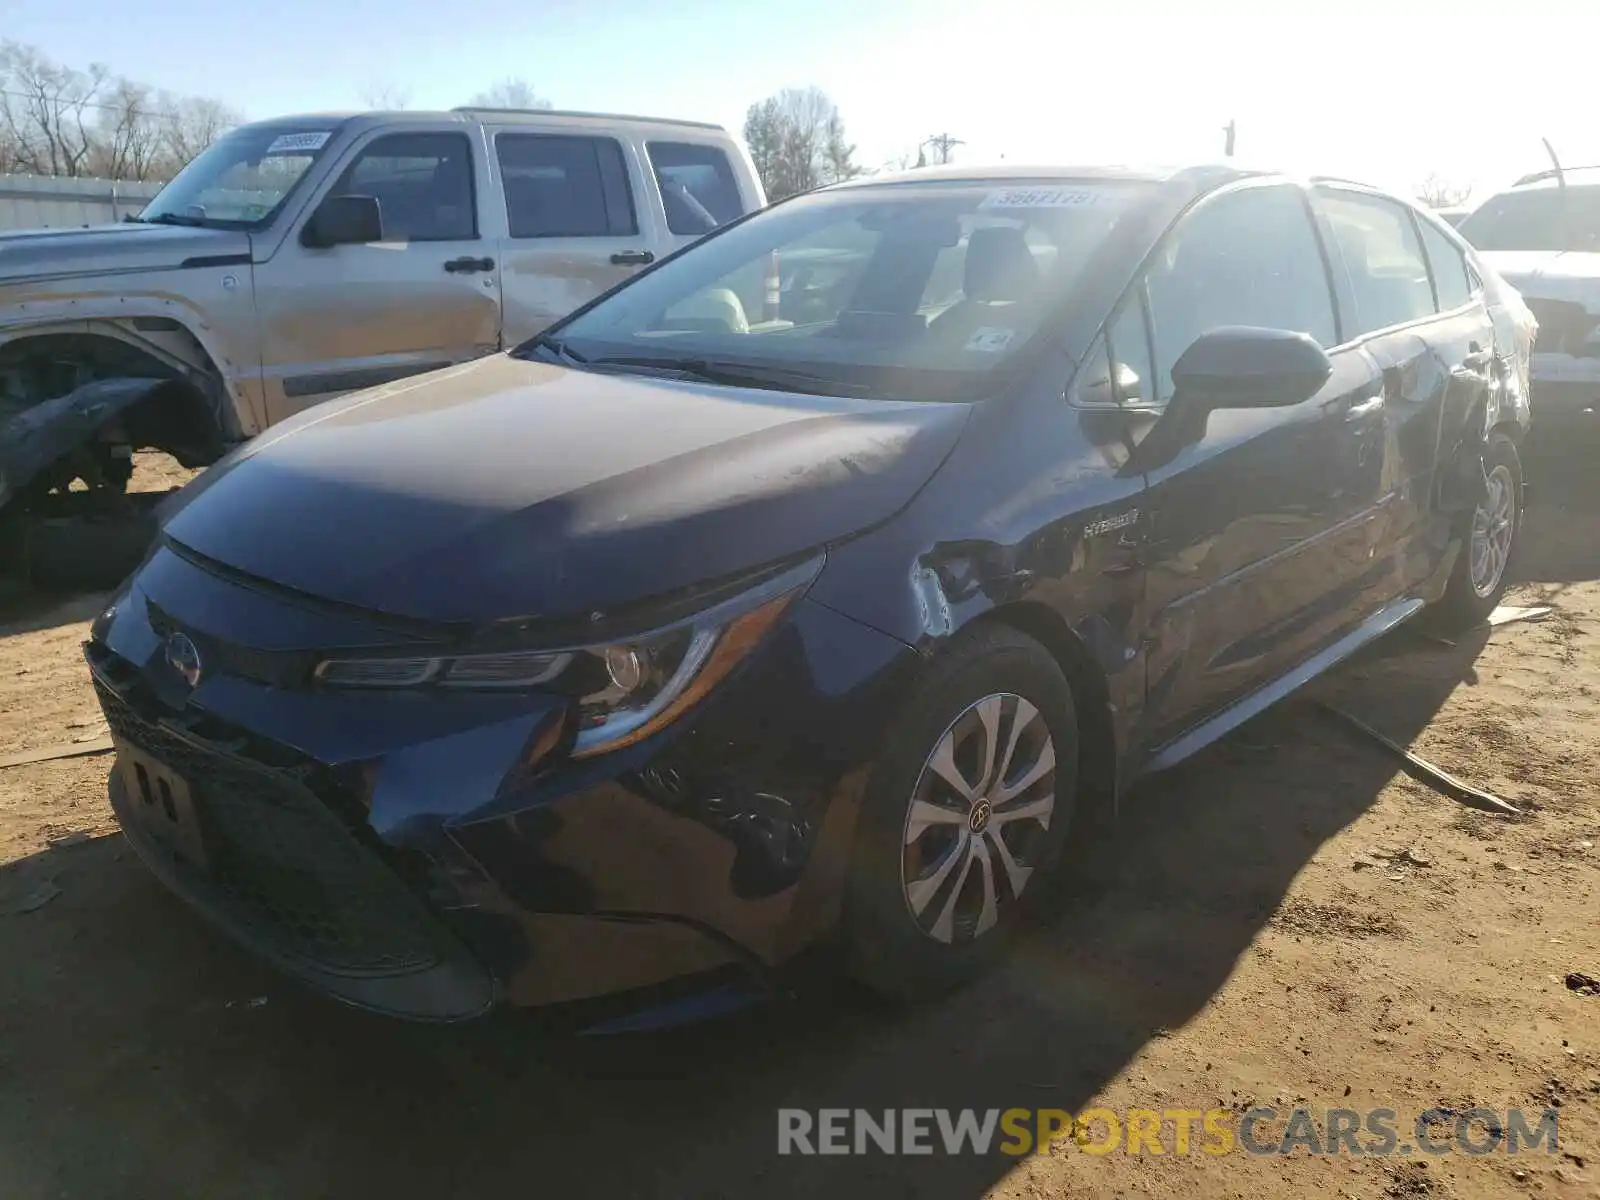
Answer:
(630, 667)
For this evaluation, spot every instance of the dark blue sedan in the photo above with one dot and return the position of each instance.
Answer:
(819, 589)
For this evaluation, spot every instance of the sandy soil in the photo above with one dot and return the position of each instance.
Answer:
(1292, 922)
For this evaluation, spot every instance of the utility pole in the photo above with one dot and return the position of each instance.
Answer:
(942, 144)
(1228, 131)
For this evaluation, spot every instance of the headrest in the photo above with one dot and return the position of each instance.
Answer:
(999, 265)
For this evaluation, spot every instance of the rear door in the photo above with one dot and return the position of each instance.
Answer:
(1406, 296)
(428, 295)
(575, 224)
(1260, 529)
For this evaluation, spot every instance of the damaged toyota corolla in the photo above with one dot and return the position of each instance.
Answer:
(819, 589)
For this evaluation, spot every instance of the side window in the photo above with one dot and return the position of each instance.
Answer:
(559, 186)
(1449, 268)
(1376, 242)
(1129, 347)
(422, 183)
(1245, 258)
(698, 187)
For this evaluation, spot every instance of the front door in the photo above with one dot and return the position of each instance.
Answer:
(426, 296)
(1261, 528)
(574, 227)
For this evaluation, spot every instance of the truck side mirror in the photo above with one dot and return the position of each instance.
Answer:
(344, 221)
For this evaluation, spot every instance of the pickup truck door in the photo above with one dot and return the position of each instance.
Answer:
(575, 222)
(428, 295)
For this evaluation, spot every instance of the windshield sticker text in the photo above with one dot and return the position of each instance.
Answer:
(990, 339)
(298, 143)
(1078, 197)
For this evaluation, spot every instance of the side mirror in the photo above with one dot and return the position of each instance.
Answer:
(344, 221)
(1241, 366)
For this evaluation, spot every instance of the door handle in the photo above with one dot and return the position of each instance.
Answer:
(633, 258)
(464, 266)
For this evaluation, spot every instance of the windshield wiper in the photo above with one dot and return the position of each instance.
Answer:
(788, 379)
(560, 349)
(173, 219)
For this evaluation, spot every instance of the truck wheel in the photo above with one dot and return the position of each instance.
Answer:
(1483, 569)
(968, 810)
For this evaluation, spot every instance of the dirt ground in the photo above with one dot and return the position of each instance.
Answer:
(1293, 922)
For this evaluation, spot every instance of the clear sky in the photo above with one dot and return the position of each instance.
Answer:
(1386, 91)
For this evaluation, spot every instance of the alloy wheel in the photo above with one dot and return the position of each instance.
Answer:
(982, 802)
(1493, 526)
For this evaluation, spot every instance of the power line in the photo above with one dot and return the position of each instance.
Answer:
(942, 144)
(97, 104)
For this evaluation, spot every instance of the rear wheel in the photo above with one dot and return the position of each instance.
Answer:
(969, 808)
(1482, 571)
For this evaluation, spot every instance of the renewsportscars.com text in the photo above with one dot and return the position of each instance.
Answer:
(1262, 1131)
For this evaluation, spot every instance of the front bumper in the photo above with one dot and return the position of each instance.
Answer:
(419, 857)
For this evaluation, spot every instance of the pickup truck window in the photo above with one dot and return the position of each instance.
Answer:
(423, 185)
(698, 188)
(560, 186)
(242, 179)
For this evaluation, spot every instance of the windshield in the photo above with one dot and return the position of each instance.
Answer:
(908, 291)
(1546, 218)
(242, 179)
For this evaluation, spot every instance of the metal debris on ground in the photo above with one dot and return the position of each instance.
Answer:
(1424, 771)
(1584, 985)
(37, 898)
(99, 745)
(1508, 613)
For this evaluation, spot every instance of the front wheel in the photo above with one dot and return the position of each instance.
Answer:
(1482, 572)
(969, 808)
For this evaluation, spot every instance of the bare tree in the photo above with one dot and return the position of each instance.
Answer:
(392, 97)
(509, 93)
(1437, 192)
(47, 111)
(128, 133)
(190, 126)
(797, 142)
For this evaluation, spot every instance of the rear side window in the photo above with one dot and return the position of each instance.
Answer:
(698, 186)
(1449, 268)
(1245, 258)
(559, 186)
(422, 183)
(1377, 244)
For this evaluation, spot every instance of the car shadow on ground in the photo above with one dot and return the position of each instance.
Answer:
(143, 1055)
(168, 1067)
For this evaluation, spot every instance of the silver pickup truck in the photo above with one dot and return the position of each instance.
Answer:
(300, 258)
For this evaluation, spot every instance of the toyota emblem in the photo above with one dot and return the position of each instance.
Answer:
(184, 658)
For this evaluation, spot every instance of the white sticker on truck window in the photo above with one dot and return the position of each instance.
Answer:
(298, 143)
(990, 339)
(1057, 197)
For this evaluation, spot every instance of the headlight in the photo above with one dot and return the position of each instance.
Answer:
(624, 690)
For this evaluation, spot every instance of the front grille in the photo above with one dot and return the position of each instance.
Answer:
(282, 864)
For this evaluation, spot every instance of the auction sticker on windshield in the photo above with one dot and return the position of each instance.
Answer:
(290, 143)
(1073, 197)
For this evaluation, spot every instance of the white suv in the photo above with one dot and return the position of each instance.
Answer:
(1543, 237)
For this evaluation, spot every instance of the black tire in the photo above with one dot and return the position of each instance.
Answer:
(890, 949)
(1464, 603)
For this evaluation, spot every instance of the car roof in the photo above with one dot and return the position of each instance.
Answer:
(1540, 180)
(499, 116)
(1201, 176)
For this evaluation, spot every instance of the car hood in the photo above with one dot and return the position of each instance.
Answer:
(1571, 275)
(508, 488)
(102, 249)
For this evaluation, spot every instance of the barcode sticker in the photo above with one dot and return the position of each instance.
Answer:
(298, 143)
